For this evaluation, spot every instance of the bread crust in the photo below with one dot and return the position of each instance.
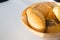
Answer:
(36, 19)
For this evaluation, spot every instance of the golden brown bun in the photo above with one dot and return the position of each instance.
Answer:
(36, 19)
(46, 10)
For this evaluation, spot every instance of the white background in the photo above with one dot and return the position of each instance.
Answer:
(11, 27)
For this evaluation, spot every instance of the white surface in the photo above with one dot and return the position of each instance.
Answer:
(11, 27)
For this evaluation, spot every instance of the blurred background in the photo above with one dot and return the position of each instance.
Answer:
(11, 27)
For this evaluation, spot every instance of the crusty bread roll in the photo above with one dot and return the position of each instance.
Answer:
(36, 19)
(46, 10)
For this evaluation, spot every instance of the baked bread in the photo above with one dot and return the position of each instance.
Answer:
(36, 19)
(46, 10)
(42, 18)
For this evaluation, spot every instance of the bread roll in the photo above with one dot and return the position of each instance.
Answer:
(36, 19)
(46, 10)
